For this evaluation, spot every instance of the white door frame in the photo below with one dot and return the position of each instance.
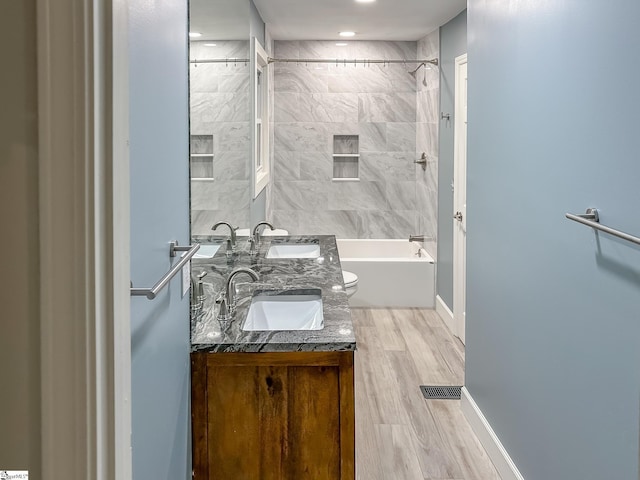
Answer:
(459, 198)
(84, 239)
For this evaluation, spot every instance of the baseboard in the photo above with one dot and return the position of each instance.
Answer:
(445, 314)
(488, 438)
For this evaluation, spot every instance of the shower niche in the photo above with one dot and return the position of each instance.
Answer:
(201, 157)
(346, 158)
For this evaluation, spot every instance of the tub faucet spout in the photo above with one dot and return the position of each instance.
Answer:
(416, 238)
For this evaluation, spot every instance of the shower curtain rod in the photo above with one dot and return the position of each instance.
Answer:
(221, 60)
(337, 61)
(346, 61)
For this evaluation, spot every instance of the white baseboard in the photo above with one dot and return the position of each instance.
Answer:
(488, 438)
(446, 314)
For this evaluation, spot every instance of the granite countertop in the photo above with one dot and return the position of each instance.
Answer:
(208, 334)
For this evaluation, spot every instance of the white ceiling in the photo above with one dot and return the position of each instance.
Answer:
(380, 20)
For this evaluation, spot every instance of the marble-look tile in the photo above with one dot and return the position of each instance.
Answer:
(427, 138)
(431, 247)
(315, 166)
(427, 206)
(373, 137)
(298, 78)
(387, 107)
(401, 137)
(428, 176)
(203, 78)
(231, 166)
(346, 168)
(233, 137)
(315, 107)
(341, 223)
(386, 50)
(300, 195)
(201, 143)
(402, 195)
(203, 220)
(428, 104)
(357, 196)
(204, 194)
(201, 167)
(387, 224)
(302, 137)
(234, 82)
(287, 49)
(235, 216)
(428, 227)
(324, 49)
(429, 46)
(373, 78)
(287, 219)
(287, 166)
(218, 107)
(233, 194)
(383, 166)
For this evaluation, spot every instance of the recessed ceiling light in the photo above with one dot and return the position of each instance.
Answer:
(210, 45)
(194, 34)
(365, 1)
(347, 34)
(341, 44)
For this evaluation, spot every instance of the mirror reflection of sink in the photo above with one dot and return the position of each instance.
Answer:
(206, 251)
(294, 310)
(294, 250)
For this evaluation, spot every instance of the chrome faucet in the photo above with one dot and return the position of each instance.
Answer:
(228, 300)
(197, 294)
(232, 229)
(254, 239)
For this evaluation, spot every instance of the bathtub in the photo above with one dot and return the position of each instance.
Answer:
(391, 273)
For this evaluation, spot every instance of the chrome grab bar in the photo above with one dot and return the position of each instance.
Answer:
(152, 292)
(592, 219)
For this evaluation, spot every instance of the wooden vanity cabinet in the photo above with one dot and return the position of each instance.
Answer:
(284, 415)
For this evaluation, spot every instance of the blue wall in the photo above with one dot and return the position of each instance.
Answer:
(553, 309)
(160, 330)
(453, 42)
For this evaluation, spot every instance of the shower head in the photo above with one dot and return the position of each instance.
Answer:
(414, 73)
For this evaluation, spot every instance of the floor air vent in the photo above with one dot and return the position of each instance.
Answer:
(441, 392)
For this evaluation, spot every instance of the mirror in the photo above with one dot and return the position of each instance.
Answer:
(220, 114)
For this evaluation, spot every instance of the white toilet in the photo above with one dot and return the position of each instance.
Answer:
(350, 283)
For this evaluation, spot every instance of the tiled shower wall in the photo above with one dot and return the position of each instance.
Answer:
(427, 123)
(313, 103)
(220, 107)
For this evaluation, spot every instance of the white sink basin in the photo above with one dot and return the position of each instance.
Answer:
(206, 251)
(294, 250)
(285, 312)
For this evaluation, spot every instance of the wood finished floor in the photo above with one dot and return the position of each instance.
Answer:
(399, 434)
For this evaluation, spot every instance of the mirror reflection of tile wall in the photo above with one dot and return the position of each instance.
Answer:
(382, 192)
(220, 120)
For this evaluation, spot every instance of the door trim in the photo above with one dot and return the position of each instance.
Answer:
(83, 176)
(459, 260)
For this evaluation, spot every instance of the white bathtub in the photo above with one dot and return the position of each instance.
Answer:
(391, 273)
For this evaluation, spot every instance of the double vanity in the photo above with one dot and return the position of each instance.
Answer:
(272, 361)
